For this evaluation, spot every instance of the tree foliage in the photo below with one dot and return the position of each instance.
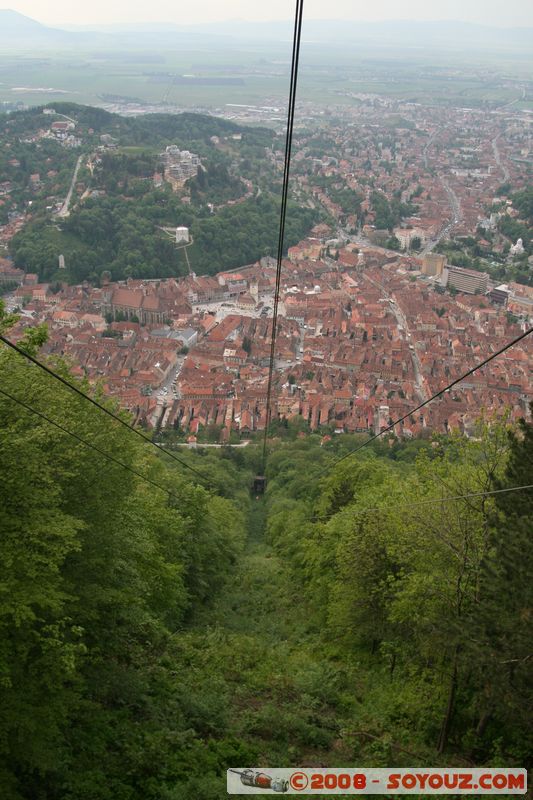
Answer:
(144, 650)
(116, 217)
(100, 573)
(427, 593)
(124, 238)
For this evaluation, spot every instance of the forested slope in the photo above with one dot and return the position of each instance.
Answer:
(100, 572)
(357, 615)
(427, 598)
(120, 202)
(124, 238)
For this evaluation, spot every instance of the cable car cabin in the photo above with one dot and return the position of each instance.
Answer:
(259, 484)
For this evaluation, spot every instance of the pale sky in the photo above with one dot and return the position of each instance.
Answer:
(490, 12)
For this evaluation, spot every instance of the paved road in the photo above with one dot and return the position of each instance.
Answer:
(455, 205)
(245, 443)
(516, 100)
(64, 211)
(426, 148)
(457, 216)
(498, 158)
(169, 381)
(68, 118)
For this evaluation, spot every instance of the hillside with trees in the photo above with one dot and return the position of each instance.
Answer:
(120, 203)
(125, 238)
(151, 129)
(402, 583)
(361, 613)
(100, 573)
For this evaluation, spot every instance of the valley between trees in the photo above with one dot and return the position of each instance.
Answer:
(357, 615)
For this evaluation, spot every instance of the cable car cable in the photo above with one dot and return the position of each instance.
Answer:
(358, 512)
(283, 211)
(98, 405)
(85, 442)
(429, 400)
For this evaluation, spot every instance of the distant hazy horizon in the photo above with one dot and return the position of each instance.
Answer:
(101, 12)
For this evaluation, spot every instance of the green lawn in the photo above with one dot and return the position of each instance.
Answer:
(91, 78)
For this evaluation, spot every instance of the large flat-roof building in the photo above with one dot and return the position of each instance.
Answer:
(469, 281)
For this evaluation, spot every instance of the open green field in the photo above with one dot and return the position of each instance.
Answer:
(202, 78)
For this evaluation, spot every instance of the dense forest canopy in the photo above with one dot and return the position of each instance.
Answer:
(523, 201)
(359, 614)
(124, 238)
(100, 571)
(407, 585)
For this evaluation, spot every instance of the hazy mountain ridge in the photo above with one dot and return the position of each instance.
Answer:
(18, 30)
(22, 29)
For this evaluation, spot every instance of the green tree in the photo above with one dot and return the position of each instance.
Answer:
(99, 573)
(500, 624)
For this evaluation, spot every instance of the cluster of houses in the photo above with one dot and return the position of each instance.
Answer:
(362, 337)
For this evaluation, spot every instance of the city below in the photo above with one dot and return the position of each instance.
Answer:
(380, 305)
(266, 394)
(364, 335)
